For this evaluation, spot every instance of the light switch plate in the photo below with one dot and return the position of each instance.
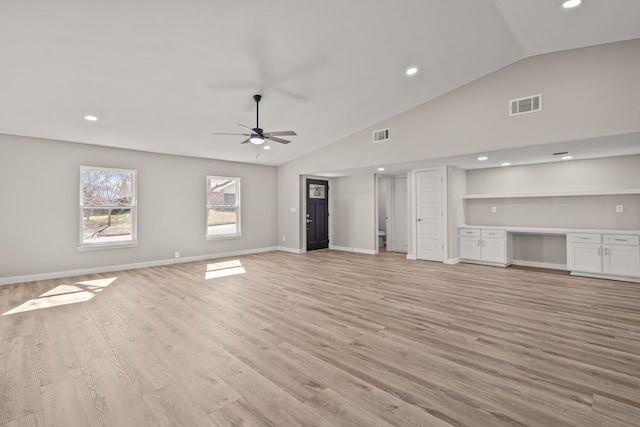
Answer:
(293, 210)
(619, 208)
(494, 209)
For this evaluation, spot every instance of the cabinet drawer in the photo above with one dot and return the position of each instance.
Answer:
(621, 239)
(493, 233)
(584, 238)
(469, 232)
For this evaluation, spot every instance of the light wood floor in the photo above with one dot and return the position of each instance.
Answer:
(322, 339)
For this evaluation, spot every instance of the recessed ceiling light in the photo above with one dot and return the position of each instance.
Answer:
(91, 118)
(411, 71)
(267, 147)
(506, 164)
(380, 169)
(567, 157)
(571, 3)
(483, 158)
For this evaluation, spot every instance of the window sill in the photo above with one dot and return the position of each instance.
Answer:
(224, 237)
(99, 247)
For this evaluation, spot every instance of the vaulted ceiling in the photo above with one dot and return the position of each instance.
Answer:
(163, 75)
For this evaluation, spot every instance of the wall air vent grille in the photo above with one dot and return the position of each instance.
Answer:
(528, 104)
(381, 135)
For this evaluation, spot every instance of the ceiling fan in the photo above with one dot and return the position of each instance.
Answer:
(259, 136)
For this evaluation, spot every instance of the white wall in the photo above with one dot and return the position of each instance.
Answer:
(353, 213)
(587, 93)
(39, 187)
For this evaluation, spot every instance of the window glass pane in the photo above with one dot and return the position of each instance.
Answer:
(221, 192)
(101, 225)
(106, 188)
(221, 221)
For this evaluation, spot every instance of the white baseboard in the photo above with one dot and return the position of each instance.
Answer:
(110, 268)
(356, 250)
(549, 265)
(412, 257)
(290, 250)
(606, 276)
(451, 261)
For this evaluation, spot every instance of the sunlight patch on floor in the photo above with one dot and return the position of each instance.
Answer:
(224, 269)
(65, 294)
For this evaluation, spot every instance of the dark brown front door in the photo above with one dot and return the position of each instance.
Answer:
(317, 214)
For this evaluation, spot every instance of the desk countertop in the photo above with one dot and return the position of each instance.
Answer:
(548, 230)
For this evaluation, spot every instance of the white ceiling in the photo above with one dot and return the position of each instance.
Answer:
(162, 75)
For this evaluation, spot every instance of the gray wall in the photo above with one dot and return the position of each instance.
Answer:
(353, 212)
(587, 93)
(611, 173)
(39, 186)
(456, 188)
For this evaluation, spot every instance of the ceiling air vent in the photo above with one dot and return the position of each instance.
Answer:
(528, 104)
(381, 135)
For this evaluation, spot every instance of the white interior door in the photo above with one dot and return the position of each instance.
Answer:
(400, 242)
(429, 215)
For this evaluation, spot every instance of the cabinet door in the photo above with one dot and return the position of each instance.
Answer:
(469, 248)
(585, 257)
(493, 250)
(621, 260)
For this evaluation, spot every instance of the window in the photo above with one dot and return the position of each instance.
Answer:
(107, 208)
(223, 207)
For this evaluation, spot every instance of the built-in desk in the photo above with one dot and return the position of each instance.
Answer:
(610, 254)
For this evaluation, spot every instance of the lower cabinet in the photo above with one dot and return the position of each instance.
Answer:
(485, 246)
(604, 254)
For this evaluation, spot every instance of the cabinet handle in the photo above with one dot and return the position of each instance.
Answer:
(598, 251)
(620, 240)
(606, 251)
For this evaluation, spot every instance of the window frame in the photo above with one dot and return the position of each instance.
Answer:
(238, 232)
(133, 242)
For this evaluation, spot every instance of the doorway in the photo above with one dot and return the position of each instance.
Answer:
(317, 217)
(398, 241)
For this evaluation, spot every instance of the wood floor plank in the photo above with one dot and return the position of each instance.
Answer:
(68, 403)
(204, 386)
(172, 406)
(115, 398)
(323, 338)
(19, 379)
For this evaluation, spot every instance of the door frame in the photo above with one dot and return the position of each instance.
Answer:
(413, 250)
(303, 210)
(392, 217)
(383, 181)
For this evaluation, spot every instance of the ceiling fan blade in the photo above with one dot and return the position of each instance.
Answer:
(218, 133)
(280, 140)
(282, 133)
(247, 127)
(245, 141)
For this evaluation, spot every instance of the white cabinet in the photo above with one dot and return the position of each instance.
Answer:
(485, 246)
(603, 254)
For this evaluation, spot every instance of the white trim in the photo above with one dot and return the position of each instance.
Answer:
(290, 250)
(412, 257)
(110, 268)
(614, 192)
(451, 261)
(606, 276)
(356, 250)
(101, 246)
(537, 264)
(236, 234)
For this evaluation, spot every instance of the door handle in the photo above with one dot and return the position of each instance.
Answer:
(309, 220)
(419, 219)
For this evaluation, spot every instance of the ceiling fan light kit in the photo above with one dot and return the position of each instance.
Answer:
(258, 136)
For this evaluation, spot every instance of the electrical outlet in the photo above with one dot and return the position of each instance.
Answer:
(177, 254)
(293, 210)
(619, 208)
(494, 209)
(283, 239)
